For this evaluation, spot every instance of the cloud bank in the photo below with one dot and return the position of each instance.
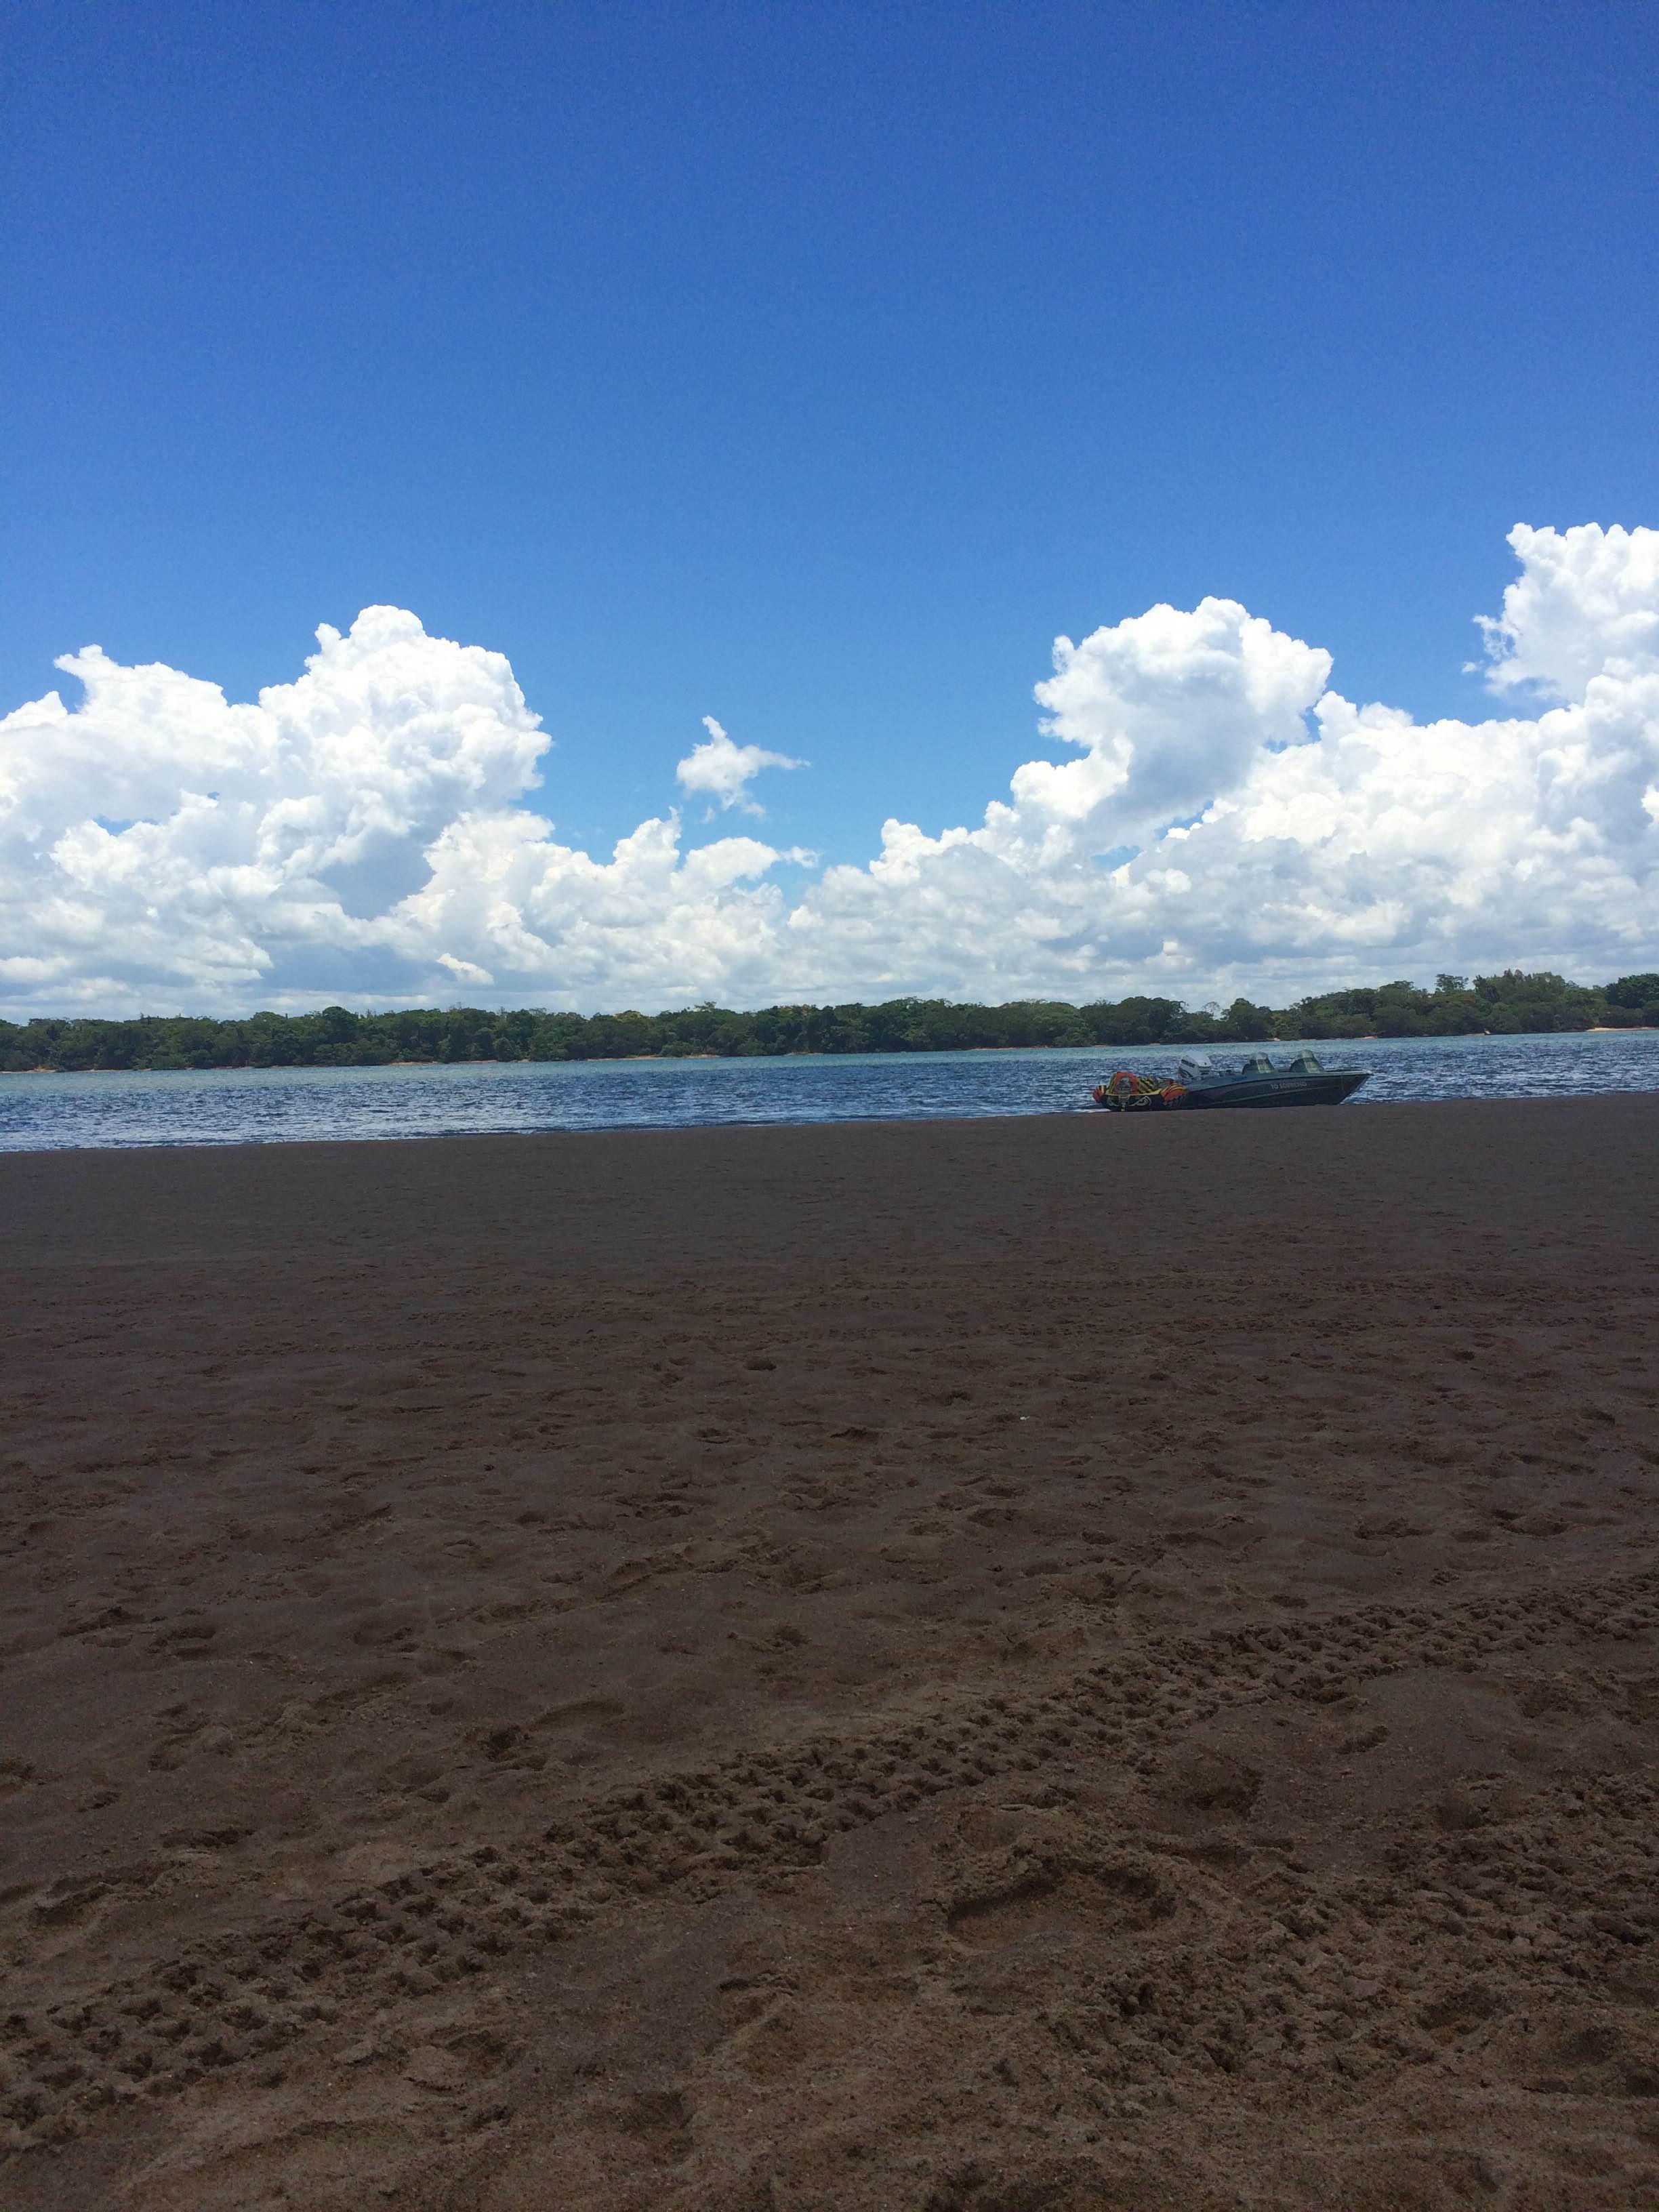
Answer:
(1225, 821)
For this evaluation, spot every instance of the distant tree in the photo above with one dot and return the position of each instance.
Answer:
(1639, 993)
(1512, 1002)
(1520, 1003)
(1244, 1023)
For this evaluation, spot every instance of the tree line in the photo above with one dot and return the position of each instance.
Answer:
(1510, 1003)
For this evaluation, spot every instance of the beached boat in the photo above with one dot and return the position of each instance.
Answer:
(1298, 1082)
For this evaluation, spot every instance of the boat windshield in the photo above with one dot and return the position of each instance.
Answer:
(1257, 1063)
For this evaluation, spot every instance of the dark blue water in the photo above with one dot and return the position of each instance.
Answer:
(264, 1106)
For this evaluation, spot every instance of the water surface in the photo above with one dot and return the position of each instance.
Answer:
(286, 1105)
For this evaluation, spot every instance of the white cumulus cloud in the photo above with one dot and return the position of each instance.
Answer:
(1586, 604)
(1226, 821)
(1370, 845)
(725, 770)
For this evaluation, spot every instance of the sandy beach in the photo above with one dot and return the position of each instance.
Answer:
(972, 1667)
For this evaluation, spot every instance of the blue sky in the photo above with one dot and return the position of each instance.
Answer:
(812, 367)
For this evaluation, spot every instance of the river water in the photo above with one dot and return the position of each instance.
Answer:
(286, 1105)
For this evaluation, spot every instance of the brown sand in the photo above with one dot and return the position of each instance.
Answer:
(1047, 1663)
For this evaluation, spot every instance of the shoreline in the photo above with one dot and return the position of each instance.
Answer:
(1035, 1118)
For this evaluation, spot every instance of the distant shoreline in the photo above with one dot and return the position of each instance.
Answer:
(941, 1052)
(1514, 1002)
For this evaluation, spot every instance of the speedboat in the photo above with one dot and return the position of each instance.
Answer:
(1298, 1082)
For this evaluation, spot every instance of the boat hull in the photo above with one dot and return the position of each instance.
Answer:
(1329, 1087)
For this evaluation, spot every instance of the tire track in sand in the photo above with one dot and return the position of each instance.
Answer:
(251, 1998)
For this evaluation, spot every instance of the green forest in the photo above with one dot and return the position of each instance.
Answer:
(1511, 1004)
